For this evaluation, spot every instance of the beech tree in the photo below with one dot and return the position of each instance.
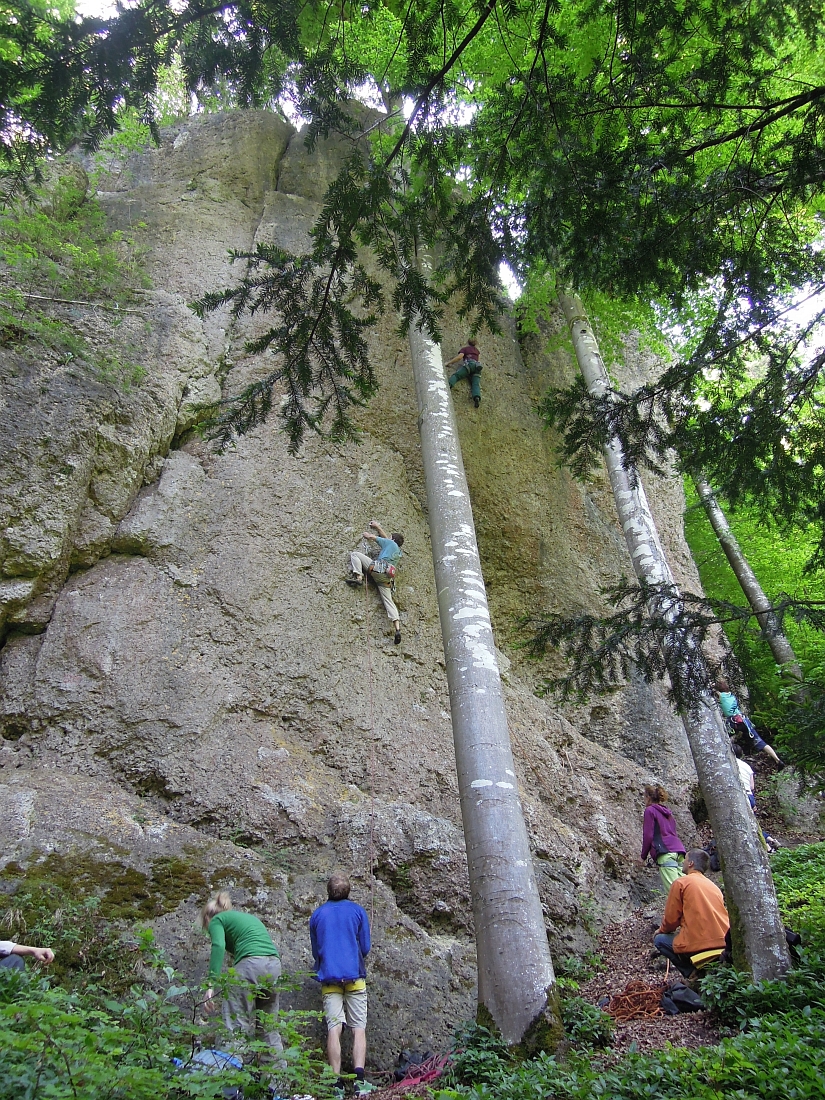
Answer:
(516, 984)
(759, 937)
(774, 635)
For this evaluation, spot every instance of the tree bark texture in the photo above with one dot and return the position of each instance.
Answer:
(515, 971)
(759, 938)
(780, 647)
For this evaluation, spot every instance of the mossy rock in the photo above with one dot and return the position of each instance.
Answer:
(124, 892)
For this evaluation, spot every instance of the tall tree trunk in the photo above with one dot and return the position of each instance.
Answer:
(516, 983)
(780, 647)
(759, 938)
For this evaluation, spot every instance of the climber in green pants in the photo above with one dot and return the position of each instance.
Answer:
(471, 368)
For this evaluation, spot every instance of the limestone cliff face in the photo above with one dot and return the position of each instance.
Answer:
(184, 670)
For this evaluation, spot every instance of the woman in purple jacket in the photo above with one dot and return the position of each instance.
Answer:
(660, 836)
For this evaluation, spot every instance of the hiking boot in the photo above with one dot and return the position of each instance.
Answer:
(397, 638)
(476, 401)
(356, 582)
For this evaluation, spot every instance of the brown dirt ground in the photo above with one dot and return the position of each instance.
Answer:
(627, 950)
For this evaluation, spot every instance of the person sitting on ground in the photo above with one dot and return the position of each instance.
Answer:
(740, 725)
(256, 963)
(695, 918)
(380, 569)
(749, 786)
(339, 932)
(659, 835)
(471, 368)
(13, 955)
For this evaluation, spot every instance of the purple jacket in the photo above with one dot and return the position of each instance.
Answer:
(659, 833)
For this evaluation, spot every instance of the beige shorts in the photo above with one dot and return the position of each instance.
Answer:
(343, 1004)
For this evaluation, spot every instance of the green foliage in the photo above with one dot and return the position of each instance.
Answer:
(799, 874)
(139, 1045)
(781, 1058)
(58, 247)
(779, 560)
(119, 1017)
(479, 1057)
(585, 1025)
(575, 969)
(739, 1001)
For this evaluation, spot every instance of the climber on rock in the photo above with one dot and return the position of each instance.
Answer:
(741, 727)
(381, 569)
(470, 368)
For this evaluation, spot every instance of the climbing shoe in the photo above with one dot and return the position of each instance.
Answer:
(397, 638)
(476, 401)
(356, 582)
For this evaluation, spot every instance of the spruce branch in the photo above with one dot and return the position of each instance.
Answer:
(653, 631)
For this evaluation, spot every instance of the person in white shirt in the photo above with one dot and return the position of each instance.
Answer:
(13, 955)
(749, 787)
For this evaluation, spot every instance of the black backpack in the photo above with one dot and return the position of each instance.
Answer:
(710, 848)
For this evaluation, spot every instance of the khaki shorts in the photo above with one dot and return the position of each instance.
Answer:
(346, 1003)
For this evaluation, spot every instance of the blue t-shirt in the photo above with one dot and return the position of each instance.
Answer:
(390, 551)
(340, 935)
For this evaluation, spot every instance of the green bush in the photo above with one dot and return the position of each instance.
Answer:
(799, 874)
(738, 1000)
(58, 1043)
(479, 1057)
(585, 1025)
(782, 1058)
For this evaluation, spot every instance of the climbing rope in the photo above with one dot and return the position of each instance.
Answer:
(423, 1074)
(636, 1001)
(372, 751)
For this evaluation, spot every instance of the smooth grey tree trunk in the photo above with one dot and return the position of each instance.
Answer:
(758, 934)
(776, 638)
(515, 971)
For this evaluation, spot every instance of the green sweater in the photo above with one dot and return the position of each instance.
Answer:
(241, 934)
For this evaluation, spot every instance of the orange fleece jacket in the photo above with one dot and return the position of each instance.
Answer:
(696, 907)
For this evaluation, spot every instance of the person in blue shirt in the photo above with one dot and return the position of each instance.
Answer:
(340, 934)
(381, 569)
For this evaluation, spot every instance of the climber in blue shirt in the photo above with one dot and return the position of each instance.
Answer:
(380, 570)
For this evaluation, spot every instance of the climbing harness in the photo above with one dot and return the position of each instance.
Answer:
(382, 569)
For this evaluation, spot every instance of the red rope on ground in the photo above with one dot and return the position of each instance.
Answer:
(428, 1071)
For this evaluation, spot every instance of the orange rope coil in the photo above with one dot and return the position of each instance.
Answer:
(636, 1001)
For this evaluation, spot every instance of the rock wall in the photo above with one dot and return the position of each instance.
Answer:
(185, 675)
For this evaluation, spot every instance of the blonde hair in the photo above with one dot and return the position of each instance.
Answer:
(217, 904)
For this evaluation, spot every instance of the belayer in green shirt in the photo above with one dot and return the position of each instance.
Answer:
(255, 961)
